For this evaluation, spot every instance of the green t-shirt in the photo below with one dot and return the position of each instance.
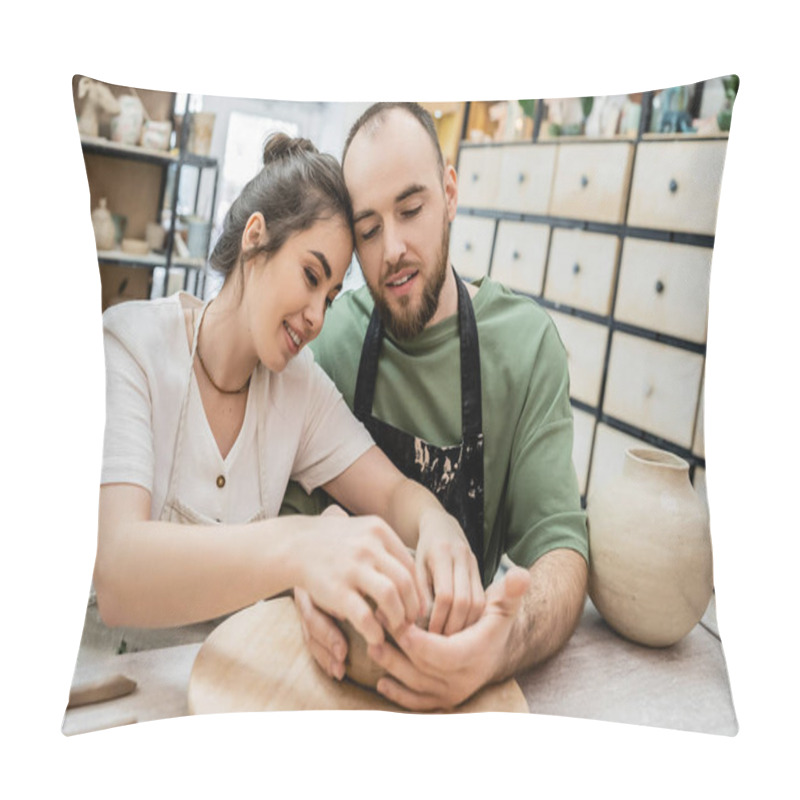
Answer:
(531, 495)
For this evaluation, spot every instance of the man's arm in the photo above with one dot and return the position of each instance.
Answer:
(529, 615)
(531, 612)
(548, 614)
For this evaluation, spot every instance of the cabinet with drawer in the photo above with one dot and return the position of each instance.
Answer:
(581, 270)
(471, 240)
(526, 176)
(699, 446)
(583, 437)
(676, 186)
(520, 255)
(654, 387)
(478, 176)
(585, 343)
(591, 181)
(614, 238)
(664, 287)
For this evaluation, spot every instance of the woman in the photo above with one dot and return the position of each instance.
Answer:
(212, 408)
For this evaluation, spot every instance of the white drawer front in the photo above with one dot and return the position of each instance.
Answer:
(654, 387)
(526, 177)
(585, 343)
(478, 176)
(699, 444)
(520, 254)
(471, 245)
(591, 181)
(676, 186)
(664, 287)
(581, 270)
(608, 456)
(582, 445)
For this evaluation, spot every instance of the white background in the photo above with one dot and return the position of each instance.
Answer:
(53, 404)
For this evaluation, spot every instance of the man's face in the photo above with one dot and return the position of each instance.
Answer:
(403, 206)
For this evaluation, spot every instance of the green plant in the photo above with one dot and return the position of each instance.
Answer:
(731, 85)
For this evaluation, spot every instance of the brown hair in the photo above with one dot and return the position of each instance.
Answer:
(378, 111)
(296, 187)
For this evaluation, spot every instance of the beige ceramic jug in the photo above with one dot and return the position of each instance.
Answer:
(650, 570)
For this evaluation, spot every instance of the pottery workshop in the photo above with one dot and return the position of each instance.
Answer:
(560, 249)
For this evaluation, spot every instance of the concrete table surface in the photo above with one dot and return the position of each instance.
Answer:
(598, 675)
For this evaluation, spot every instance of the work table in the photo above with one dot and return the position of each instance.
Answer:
(598, 675)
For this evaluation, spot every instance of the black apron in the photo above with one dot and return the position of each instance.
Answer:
(453, 474)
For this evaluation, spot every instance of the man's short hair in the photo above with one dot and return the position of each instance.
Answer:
(377, 113)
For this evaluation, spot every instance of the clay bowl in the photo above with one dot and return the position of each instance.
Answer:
(358, 666)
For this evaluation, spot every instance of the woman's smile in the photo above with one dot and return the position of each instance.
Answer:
(296, 340)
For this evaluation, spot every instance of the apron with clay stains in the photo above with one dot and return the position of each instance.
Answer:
(453, 474)
(174, 510)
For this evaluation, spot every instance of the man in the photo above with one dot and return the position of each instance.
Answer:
(467, 390)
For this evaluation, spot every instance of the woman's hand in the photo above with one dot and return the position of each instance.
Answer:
(325, 640)
(448, 571)
(352, 564)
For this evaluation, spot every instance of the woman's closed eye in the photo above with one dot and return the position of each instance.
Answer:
(370, 233)
(311, 277)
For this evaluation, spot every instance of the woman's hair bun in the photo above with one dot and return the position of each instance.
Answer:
(280, 146)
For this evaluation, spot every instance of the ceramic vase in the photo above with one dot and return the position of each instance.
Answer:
(650, 573)
(105, 232)
(126, 127)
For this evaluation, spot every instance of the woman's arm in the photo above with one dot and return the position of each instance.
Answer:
(446, 566)
(157, 574)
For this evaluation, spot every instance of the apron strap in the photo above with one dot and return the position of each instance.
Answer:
(368, 368)
(471, 418)
(176, 452)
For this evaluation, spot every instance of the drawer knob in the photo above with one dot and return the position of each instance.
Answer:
(648, 390)
(475, 176)
(576, 268)
(521, 177)
(673, 186)
(468, 246)
(515, 256)
(584, 181)
(659, 287)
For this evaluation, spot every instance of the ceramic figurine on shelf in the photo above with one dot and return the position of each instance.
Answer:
(97, 100)
(126, 127)
(105, 232)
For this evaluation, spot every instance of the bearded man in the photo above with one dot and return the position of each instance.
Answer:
(465, 387)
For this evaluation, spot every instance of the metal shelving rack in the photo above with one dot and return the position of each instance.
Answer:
(195, 268)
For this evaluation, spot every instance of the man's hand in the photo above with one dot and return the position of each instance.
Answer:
(448, 570)
(434, 671)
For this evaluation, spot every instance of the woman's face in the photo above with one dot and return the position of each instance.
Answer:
(286, 296)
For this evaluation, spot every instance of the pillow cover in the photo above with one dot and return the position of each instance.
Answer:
(601, 209)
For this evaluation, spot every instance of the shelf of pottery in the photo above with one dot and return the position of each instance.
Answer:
(612, 233)
(152, 188)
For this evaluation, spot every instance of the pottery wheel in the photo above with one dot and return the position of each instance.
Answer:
(256, 660)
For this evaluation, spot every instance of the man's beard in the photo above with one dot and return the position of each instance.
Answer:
(405, 322)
